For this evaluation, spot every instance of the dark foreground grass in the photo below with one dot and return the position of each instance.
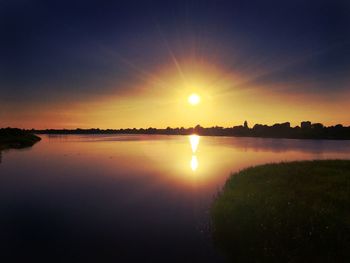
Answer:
(16, 138)
(287, 212)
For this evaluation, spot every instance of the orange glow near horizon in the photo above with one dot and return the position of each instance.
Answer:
(160, 99)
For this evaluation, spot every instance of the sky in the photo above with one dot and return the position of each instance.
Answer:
(120, 64)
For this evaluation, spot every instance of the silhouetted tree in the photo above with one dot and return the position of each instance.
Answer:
(246, 125)
(317, 126)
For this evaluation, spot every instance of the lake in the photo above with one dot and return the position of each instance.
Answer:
(104, 198)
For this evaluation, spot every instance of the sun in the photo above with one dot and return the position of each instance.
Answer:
(194, 99)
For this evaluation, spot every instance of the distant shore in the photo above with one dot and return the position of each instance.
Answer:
(306, 130)
(16, 138)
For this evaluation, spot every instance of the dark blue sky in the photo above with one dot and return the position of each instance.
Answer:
(73, 50)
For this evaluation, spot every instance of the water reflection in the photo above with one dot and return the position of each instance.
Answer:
(194, 142)
(112, 195)
(194, 163)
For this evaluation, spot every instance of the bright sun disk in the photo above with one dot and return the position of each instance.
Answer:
(194, 99)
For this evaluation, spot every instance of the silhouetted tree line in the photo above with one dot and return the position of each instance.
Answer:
(306, 130)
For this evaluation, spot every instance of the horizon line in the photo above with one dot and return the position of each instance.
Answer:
(182, 127)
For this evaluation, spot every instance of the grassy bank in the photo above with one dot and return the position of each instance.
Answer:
(287, 212)
(16, 138)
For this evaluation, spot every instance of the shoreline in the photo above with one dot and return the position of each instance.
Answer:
(12, 138)
(187, 134)
(306, 130)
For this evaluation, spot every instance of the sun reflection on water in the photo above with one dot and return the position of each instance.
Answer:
(194, 141)
(194, 163)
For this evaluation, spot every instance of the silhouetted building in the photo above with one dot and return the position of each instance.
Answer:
(305, 124)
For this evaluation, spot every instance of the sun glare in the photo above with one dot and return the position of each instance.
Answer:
(194, 99)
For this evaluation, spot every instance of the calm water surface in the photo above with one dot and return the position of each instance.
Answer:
(99, 198)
